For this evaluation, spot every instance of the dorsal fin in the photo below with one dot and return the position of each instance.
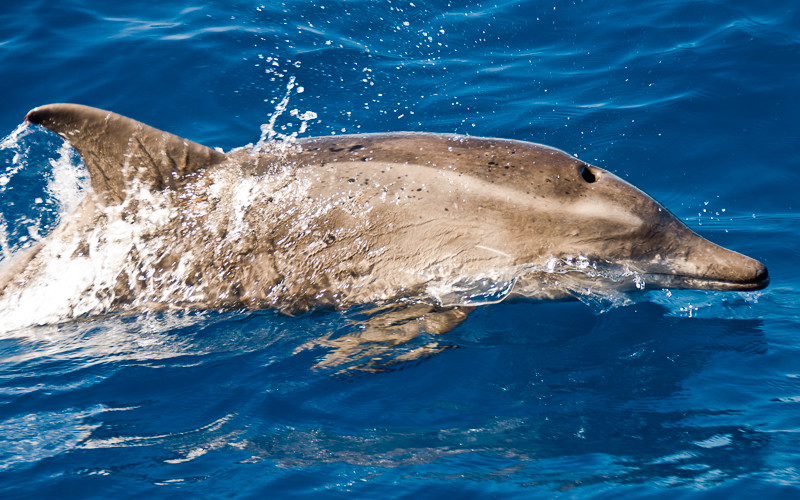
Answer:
(117, 149)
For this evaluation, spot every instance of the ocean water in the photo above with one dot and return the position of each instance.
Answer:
(672, 394)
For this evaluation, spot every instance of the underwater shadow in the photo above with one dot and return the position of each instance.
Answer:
(564, 397)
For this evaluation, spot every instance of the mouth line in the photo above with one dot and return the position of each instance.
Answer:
(699, 283)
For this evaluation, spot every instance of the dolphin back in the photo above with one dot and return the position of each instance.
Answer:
(118, 150)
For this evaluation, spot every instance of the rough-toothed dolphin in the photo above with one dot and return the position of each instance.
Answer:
(354, 219)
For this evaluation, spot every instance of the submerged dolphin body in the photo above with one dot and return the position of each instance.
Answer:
(355, 219)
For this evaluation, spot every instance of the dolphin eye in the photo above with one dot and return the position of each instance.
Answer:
(587, 174)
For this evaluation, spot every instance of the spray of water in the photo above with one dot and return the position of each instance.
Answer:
(13, 142)
(37, 190)
(68, 182)
(601, 286)
(5, 249)
(269, 133)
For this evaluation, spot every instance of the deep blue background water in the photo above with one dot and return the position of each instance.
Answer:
(688, 394)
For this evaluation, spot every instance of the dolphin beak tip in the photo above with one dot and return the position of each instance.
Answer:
(730, 271)
(756, 277)
(761, 278)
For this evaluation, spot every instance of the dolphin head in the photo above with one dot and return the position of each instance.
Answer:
(520, 205)
(611, 223)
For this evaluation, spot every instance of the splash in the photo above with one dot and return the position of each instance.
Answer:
(143, 253)
(5, 248)
(68, 183)
(77, 273)
(14, 143)
(484, 289)
(269, 133)
(36, 189)
(700, 304)
(80, 274)
(600, 285)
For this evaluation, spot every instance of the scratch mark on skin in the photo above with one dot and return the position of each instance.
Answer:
(494, 250)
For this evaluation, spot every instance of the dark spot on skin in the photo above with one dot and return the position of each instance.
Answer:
(366, 158)
(329, 238)
(492, 163)
(336, 150)
(506, 167)
(419, 189)
(356, 147)
(446, 210)
(351, 180)
(548, 180)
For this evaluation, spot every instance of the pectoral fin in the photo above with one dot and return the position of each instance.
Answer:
(385, 336)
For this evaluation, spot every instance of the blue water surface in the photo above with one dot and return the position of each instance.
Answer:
(679, 394)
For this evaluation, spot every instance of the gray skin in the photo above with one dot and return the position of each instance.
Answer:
(370, 219)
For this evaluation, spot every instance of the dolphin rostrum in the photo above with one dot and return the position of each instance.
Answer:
(337, 221)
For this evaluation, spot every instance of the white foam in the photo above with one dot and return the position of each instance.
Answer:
(5, 248)
(14, 142)
(68, 181)
(600, 286)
